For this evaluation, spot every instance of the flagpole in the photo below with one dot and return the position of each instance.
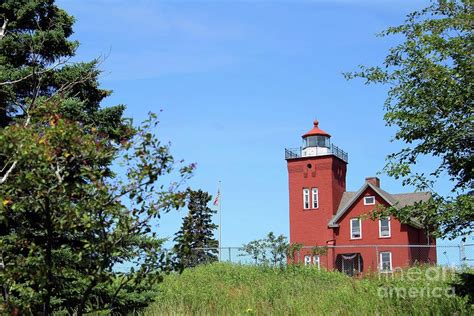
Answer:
(220, 222)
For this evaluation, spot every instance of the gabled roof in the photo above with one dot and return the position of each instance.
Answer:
(405, 199)
(397, 200)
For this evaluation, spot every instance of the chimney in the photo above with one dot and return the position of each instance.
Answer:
(374, 181)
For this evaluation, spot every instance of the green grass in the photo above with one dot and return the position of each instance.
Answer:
(228, 289)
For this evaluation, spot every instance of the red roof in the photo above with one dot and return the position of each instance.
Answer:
(316, 131)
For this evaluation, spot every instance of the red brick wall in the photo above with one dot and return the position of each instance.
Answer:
(328, 174)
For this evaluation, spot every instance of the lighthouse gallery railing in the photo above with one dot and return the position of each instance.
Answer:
(293, 153)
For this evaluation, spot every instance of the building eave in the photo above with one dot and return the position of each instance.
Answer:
(333, 223)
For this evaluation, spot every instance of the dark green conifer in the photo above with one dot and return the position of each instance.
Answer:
(195, 242)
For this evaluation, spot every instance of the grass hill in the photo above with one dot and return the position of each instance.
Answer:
(229, 289)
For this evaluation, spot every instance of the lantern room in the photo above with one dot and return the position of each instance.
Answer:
(316, 137)
(316, 142)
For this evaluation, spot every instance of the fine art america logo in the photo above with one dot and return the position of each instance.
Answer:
(435, 283)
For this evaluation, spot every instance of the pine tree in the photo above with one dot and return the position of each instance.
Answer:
(195, 242)
(35, 51)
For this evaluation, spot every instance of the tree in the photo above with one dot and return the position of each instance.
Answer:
(195, 242)
(34, 62)
(278, 246)
(69, 220)
(257, 250)
(293, 252)
(66, 218)
(430, 100)
(275, 247)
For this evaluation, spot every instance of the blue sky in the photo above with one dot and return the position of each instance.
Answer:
(241, 80)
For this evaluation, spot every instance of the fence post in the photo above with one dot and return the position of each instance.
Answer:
(230, 256)
(462, 255)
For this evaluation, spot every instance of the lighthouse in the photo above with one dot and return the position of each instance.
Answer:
(317, 181)
(324, 214)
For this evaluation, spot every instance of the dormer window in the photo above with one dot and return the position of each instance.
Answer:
(369, 200)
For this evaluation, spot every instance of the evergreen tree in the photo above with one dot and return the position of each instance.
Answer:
(195, 242)
(35, 51)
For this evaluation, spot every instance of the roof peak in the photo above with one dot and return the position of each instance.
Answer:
(316, 131)
(397, 200)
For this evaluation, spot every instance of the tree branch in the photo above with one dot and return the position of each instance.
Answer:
(5, 176)
(3, 29)
(59, 63)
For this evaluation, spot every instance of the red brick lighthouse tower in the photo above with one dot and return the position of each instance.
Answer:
(317, 180)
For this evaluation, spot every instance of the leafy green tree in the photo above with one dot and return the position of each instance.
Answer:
(430, 100)
(278, 246)
(257, 250)
(69, 220)
(272, 249)
(293, 251)
(195, 242)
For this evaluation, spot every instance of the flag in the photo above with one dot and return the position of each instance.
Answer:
(217, 199)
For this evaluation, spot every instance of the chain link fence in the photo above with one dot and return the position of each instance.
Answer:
(353, 259)
(350, 259)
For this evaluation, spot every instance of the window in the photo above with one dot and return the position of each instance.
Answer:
(384, 227)
(311, 260)
(316, 261)
(317, 141)
(306, 199)
(356, 228)
(315, 197)
(386, 261)
(369, 200)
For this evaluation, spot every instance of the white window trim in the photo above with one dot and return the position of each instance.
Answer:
(381, 262)
(315, 192)
(389, 228)
(317, 261)
(306, 193)
(310, 260)
(365, 202)
(360, 228)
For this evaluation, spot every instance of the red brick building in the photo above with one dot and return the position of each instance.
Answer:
(324, 214)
